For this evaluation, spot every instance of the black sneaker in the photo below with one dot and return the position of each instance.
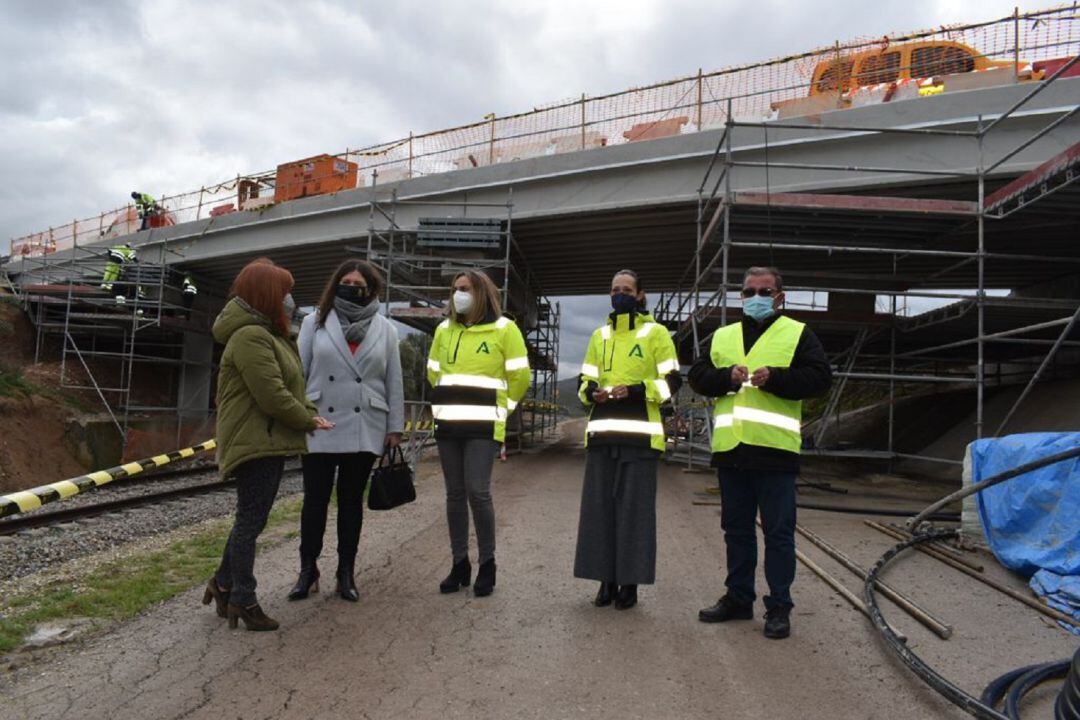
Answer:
(726, 609)
(778, 623)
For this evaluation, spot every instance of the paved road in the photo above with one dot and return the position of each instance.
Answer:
(536, 648)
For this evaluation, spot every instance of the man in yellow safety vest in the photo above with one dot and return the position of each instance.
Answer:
(759, 370)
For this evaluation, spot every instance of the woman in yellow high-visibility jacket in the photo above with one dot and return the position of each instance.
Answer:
(479, 369)
(630, 369)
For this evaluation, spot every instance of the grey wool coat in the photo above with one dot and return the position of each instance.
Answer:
(361, 394)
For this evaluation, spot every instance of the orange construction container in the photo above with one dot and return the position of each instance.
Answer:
(313, 176)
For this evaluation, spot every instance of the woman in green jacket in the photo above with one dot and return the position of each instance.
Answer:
(263, 417)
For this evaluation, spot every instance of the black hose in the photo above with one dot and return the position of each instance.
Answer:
(1068, 702)
(1069, 698)
(1029, 680)
(931, 677)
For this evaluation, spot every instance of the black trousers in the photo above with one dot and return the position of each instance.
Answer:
(351, 471)
(742, 494)
(256, 487)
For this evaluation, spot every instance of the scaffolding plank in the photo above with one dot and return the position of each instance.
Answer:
(1055, 173)
(857, 203)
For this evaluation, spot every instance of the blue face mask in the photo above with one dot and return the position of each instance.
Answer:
(623, 303)
(759, 308)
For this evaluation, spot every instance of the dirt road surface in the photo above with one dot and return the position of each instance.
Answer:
(537, 648)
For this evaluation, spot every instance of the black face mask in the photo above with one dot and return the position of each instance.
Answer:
(622, 303)
(353, 294)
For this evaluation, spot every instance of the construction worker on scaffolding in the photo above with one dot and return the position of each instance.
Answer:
(146, 206)
(188, 291)
(119, 257)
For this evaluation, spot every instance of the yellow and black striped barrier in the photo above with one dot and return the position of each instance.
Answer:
(418, 426)
(26, 500)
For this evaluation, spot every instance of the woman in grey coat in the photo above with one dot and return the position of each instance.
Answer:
(353, 371)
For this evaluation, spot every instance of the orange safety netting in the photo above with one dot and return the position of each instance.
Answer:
(700, 102)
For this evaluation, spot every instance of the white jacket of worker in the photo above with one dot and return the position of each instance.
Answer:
(362, 393)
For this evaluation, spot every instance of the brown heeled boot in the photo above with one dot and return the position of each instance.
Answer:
(253, 616)
(219, 596)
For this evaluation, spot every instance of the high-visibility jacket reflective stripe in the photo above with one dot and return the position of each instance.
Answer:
(639, 427)
(517, 363)
(433, 365)
(631, 352)
(488, 413)
(478, 381)
(759, 416)
(752, 415)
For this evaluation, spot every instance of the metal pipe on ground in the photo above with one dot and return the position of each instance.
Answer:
(838, 586)
(1018, 596)
(931, 623)
(932, 550)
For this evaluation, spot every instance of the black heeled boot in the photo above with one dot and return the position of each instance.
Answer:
(307, 582)
(346, 581)
(485, 579)
(626, 598)
(459, 577)
(605, 595)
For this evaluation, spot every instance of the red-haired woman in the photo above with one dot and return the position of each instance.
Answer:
(263, 417)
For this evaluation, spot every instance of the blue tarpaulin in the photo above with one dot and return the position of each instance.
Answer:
(1032, 522)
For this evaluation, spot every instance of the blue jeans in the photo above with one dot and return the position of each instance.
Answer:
(743, 493)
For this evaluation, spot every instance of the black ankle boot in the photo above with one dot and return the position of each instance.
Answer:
(605, 595)
(626, 597)
(485, 579)
(459, 577)
(307, 582)
(346, 581)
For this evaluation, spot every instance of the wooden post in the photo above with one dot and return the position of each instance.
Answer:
(836, 69)
(582, 121)
(699, 98)
(198, 212)
(1016, 43)
(491, 145)
(101, 224)
(410, 152)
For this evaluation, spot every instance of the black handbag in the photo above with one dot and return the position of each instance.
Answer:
(391, 482)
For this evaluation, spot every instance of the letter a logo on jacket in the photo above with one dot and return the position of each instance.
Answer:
(483, 348)
(636, 351)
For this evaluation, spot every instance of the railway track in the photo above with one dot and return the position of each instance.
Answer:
(21, 523)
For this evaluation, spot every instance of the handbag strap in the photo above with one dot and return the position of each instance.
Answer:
(388, 457)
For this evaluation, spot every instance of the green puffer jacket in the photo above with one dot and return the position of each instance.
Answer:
(262, 410)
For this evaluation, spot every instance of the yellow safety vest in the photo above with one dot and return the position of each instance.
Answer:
(619, 354)
(479, 373)
(751, 415)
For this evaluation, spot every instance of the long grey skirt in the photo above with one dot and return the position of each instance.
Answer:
(617, 529)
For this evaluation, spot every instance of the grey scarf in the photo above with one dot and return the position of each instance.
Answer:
(355, 319)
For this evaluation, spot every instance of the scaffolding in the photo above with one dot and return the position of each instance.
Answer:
(119, 339)
(418, 263)
(873, 257)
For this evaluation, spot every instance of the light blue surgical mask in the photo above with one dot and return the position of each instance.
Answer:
(759, 308)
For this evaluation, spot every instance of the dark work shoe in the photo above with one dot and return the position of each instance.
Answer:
(307, 582)
(778, 623)
(346, 582)
(626, 597)
(485, 579)
(605, 594)
(726, 609)
(458, 578)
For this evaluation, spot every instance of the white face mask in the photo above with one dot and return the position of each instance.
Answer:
(463, 302)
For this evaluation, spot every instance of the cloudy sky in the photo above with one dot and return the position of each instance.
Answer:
(99, 98)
